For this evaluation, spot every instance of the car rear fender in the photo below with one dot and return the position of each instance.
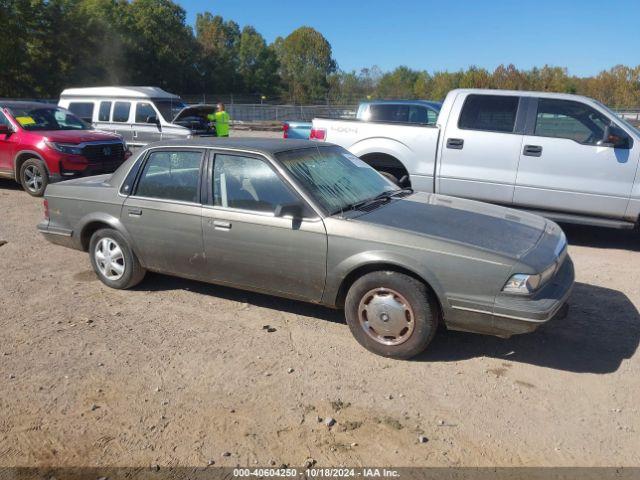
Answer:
(94, 221)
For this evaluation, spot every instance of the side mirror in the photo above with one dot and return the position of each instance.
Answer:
(404, 181)
(5, 129)
(153, 119)
(614, 137)
(292, 209)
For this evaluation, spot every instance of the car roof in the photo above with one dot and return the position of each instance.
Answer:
(258, 144)
(119, 92)
(25, 104)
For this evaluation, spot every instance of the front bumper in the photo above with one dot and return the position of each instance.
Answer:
(514, 314)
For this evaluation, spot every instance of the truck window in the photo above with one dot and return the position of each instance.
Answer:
(104, 111)
(571, 120)
(121, 111)
(84, 110)
(143, 111)
(492, 113)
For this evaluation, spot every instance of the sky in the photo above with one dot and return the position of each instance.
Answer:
(585, 36)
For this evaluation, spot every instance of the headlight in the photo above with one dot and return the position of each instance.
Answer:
(522, 284)
(65, 148)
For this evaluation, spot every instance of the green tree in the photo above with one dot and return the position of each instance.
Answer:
(306, 62)
(397, 84)
(257, 63)
(220, 41)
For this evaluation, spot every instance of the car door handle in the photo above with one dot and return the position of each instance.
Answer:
(135, 212)
(221, 225)
(532, 150)
(455, 143)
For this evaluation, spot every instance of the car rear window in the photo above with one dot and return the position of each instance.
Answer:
(491, 113)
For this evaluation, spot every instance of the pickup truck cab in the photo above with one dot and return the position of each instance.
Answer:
(567, 157)
(42, 143)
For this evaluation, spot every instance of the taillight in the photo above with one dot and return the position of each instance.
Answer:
(318, 134)
(285, 130)
(45, 204)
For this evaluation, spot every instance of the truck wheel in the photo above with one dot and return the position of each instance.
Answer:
(34, 177)
(113, 260)
(391, 314)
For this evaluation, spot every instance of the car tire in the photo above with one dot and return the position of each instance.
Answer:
(113, 260)
(391, 314)
(34, 177)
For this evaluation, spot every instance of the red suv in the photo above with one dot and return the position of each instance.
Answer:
(42, 143)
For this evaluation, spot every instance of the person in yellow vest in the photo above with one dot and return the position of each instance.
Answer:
(221, 120)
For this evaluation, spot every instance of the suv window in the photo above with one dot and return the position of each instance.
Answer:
(248, 184)
(171, 176)
(572, 120)
(84, 110)
(121, 111)
(492, 113)
(3, 120)
(389, 113)
(105, 110)
(144, 110)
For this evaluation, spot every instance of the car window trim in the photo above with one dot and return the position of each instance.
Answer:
(148, 154)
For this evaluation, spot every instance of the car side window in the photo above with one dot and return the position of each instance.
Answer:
(104, 111)
(418, 115)
(389, 113)
(121, 112)
(143, 111)
(490, 113)
(571, 120)
(171, 175)
(83, 110)
(248, 183)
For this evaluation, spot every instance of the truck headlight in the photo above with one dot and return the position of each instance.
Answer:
(522, 284)
(68, 148)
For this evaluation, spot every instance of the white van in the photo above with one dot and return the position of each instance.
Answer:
(141, 115)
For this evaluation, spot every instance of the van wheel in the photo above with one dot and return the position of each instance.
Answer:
(391, 314)
(113, 260)
(34, 177)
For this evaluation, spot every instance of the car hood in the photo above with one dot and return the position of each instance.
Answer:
(79, 136)
(479, 225)
(194, 111)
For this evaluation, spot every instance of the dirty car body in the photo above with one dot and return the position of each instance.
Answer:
(312, 222)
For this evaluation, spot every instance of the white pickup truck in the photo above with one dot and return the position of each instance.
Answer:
(566, 157)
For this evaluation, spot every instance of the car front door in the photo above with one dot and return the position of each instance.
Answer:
(7, 148)
(164, 213)
(564, 165)
(247, 245)
(479, 153)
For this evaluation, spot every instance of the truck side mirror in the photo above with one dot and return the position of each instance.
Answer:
(614, 137)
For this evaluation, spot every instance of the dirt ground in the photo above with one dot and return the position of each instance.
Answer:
(178, 373)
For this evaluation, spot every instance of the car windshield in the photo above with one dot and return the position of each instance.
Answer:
(47, 118)
(335, 178)
(169, 108)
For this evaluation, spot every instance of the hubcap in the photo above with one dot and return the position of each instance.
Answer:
(386, 316)
(33, 178)
(109, 258)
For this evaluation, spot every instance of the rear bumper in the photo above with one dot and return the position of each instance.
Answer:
(56, 235)
(515, 314)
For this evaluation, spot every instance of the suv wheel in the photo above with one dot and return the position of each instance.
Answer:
(113, 260)
(34, 177)
(391, 314)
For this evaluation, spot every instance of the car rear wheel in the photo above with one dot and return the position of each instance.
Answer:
(113, 260)
(391, 314)
(34, 177)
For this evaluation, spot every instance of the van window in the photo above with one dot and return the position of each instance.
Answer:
(492, 113)
(105, 110)
(571, 120)
(121, 111)
(144, 110)
(84, 110)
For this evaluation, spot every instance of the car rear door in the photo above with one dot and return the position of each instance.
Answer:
(163, 215)
(481, 148)
(246, 244)
(563, 167)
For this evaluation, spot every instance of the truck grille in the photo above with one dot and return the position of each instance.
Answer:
(104, 152)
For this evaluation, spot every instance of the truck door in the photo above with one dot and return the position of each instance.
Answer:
(481, 148)
(565, 166)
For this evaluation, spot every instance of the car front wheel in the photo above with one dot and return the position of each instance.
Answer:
(34, 177)
(391, 314)
(113, 260)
